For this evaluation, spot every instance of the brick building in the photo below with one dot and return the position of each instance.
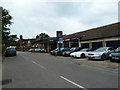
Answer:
(26, 44)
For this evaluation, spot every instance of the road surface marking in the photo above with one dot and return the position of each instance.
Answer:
(73, 83)
(39, 65)
(34, 62)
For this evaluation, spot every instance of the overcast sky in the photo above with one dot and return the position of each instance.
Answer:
(32, 17)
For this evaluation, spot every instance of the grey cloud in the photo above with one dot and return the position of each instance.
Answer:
(32, 19)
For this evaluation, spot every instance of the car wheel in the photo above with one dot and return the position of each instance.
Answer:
(112, 60)
(58, 54)
(6, 55)
(15, 54)
(55, 54)
(103, 57)
(88, 58)
(82, 55)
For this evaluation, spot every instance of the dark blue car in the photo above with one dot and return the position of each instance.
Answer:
(10, 52)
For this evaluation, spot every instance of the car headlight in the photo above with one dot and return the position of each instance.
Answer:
(67, 52)
(110, 55)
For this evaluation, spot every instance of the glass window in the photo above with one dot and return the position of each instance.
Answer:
(101, 49)
(118, 49)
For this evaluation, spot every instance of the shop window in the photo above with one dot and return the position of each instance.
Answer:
(96, 45)
(74, 44)
(85, 45)
(113, 44)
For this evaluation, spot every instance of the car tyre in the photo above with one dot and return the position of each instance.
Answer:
(56, 54)
(103, 57)
(112, 60)
(82, 55)
(15, 54)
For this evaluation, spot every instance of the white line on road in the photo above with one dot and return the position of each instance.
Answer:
(34, 62)
(73, 83)
(39, 65)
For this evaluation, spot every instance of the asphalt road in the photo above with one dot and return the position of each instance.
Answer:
(41, 70)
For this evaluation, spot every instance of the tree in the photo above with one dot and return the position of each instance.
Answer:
(13, 40)
(6, 22)
(7, 39)
(43, 36)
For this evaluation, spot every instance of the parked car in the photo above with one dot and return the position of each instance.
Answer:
(115, 56)
(61, 50)
(80, 54)
(100, 53)
(31, 50)
(73, 49)
(37, 50)
(53, 51)
(10, 52)
(43, 50)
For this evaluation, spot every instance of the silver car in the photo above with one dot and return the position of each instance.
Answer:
(100, 53)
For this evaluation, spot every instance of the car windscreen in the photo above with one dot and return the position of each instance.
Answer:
(101, 49)
(66, 48)
(83, 50)
(56, 48)
(12, 49)
(118, 49)
(61, 48)
(72, 49)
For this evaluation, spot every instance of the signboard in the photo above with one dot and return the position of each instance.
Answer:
(59, 34)
(59, 37)
(60, 40)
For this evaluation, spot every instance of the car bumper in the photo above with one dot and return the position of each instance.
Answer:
(77, 56)
(67, 54)
(94, 57)
(11, 54)
(115, 59)
(72, 55)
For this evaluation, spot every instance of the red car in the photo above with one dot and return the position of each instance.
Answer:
(31, 50)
